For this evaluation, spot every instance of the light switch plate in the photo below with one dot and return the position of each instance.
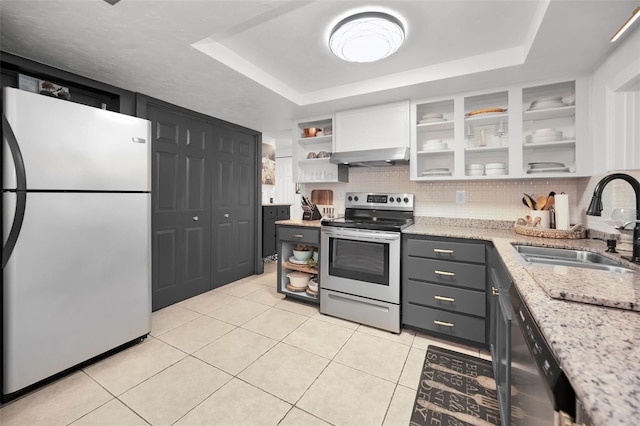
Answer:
(461, 197)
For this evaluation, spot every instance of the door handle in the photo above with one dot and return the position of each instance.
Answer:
(195, 218)
(226, 215)
(21, 186)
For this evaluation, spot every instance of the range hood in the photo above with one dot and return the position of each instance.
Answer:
(372, 157)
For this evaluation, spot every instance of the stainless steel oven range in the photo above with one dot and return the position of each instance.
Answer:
(360, 259)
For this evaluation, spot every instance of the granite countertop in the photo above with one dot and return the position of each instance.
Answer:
(598, 346)
(300, 222)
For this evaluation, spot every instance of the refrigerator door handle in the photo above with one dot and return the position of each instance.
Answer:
(21, 182)
(21, 174)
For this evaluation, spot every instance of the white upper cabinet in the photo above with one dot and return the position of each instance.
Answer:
(615, 126)
(378, 126)
(538, 130)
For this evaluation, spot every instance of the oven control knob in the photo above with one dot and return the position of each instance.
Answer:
(356, 198)
(398, 199)
(406, 200)
(391, 199)
(350, 198)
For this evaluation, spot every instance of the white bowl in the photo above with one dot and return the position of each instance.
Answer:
(313, 284)
(433, 141)
(298, 279)
(544, 131)
(548, 104)
(489, 166)
(548, 99)
(431, 120)
(544, 138)
(432, 115)
(433, 146)
(302, 255)
(496, 172)
(474, 166)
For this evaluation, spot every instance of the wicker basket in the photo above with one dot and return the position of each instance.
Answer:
(550, 233)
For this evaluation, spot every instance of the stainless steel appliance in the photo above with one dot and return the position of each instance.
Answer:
(540, 391)
(360, 259)
(77, 237)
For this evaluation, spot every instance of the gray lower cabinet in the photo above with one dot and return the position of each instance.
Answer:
(288, 238)
(270, 215)
(500, 332)
(444, 287)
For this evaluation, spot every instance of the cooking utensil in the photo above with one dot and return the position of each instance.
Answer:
(536, 221)
(541, 201)
(530, 202)
(550, 200)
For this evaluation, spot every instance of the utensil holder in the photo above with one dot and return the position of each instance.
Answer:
(545, 221)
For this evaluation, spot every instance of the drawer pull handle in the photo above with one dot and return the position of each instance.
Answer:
(444, 299)
(443, 251)
(442, 323)
(495, 291)
(445, 273)
(297, 236)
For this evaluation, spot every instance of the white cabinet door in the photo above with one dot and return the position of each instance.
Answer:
(379, 126)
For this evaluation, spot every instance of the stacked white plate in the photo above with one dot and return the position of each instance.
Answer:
(441, 171)
(544, 135)
(547, 102)
(495, 169)
(434, 117)
(434, 145)
(547, 167)
(474, 169)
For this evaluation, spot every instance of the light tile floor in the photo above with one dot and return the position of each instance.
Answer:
(242, 354)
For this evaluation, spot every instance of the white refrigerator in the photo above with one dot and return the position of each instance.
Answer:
(76, 259)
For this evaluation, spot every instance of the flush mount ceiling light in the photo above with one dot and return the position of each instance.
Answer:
(635, 15)
(366, 37)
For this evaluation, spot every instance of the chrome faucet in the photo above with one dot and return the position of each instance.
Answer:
(595, 207)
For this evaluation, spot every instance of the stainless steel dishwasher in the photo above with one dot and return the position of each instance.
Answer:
(540, 391)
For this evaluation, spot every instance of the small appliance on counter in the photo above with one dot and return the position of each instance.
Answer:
(310, 211)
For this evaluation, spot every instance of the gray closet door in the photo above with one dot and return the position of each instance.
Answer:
(181, 200)
(234, 210)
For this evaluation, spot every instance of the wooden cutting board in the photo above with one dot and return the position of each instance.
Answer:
(323, 197)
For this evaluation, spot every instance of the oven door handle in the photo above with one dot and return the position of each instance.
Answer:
(364, 235)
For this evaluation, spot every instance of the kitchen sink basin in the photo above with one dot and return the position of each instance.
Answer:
(569, 257)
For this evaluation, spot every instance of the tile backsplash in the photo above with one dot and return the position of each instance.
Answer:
(485, 199)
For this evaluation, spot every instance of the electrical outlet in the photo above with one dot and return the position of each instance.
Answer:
(340, 195)
(461, 197)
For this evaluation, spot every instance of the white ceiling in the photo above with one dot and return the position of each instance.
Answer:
(262, 64)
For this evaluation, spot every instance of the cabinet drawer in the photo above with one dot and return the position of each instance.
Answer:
(451, 324)
(445, 297)
(304, 235)
(283, 212)
(269, 212)
(447, 273)
(445, 250)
